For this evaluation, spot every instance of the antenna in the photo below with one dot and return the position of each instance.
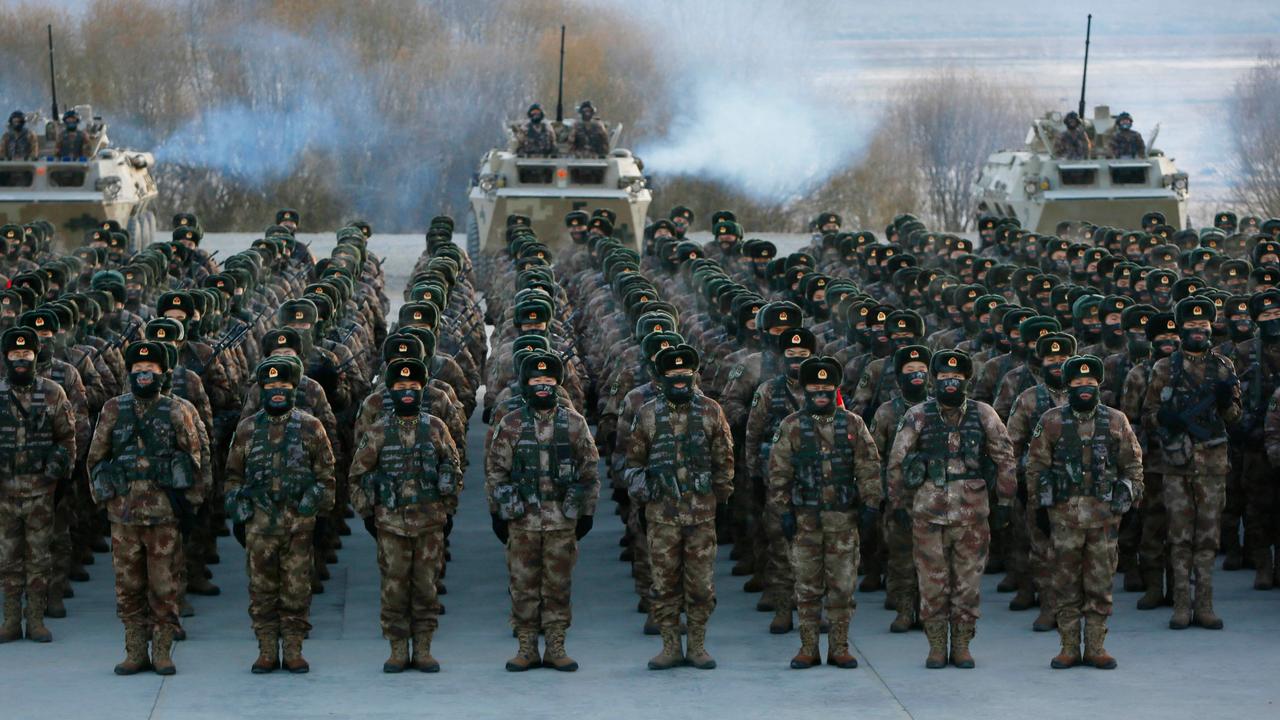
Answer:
(53, 81)
(560, 91)
(1085, 77)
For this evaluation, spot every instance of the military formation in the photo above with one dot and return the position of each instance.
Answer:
(1061, 409)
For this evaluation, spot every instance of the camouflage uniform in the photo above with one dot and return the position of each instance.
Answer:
(1072, 144)
(1127, 143)
(901, 587)
(19, 145)
(774, 400)
(536, 140)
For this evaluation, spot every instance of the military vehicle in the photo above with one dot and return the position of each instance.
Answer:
(1041, 190)
(78, 194)
(546, 189)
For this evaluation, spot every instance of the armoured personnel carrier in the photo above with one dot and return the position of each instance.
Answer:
(77, 194)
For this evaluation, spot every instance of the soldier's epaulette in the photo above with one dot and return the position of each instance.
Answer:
(736, 372)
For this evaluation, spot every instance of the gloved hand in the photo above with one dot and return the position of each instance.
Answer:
(867, 520)
(322, 527)
(722, 515)
(642, 519)
(1169, 419)
(902, 516)
(1000, 517)
(500, 528)
(371, 526)
(1223, 390)
(487, 415)
(237, 530)
(1042, 522)
(583, 526)
(788, 521)
(620, 496)
(448, 525)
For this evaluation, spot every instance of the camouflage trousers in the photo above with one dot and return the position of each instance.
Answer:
(279, 569)
(1152, 549)
(824, 558)
(1040, 559)
(640, 571)
(900, 575)
(1084, 569)
(26, 544)
(778, 561)
(949, 562)
(1262, 512)
(146, 560)
(61, 547)
(409, 567)
(1236, 506)
(683, 559)
(540, 564)
(1194, 503)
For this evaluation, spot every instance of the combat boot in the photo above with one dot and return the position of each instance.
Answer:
(961, 634)
(906, 616)
(743, 568)
(1204, 615)
(755, 584)
(1181, 618)
(200, 585)
(936, 631)
(54, 607)
(554, 656)
(1008, 583)
(1133, 581)
(12, 628)
(268, 654)
(36, 631)
(293, 660)
(781, 622)
(1046, 620)
(1153, 595)
(422, 660)
(1264, 576)
(871, 582)
(651, 625)
(672, 654)
(1025, 598)
(526, 656)
(1230, 545)
(135, 651)
(1070, 655)
(697, 655)
(809, 654)
(399, 658)
(1095, 631)
(838, 646)
(162, 649)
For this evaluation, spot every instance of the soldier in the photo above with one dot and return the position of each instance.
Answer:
(19, 142)
(949, 451)
(1192, 396)
(73, 143)
(37, 454)
(679, 469)
(1073, 143)
(824, 487)
(541, 481)
(1084, 471)
(1125, 141)
(145, 467)
(279, 487)
(1258, 366)
(405, 481)
(535, 138)
(589, 137)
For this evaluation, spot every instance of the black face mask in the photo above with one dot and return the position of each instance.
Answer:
(284, 405)
(1241, 329)
(21, 372)
(1163, 348)
(677, 395)
(1018, 348)
(536, 118)
(1003, 345)
(144, 383)
(1090, 332)
(793, 367)
(45, 354)
(1139, 345)
(950, 392)
(914, 386)
(1083, 398)
(1269, 330)
(810, 404)
(407, 402)
(1194, 340)
(1052, 374)
(540, 396)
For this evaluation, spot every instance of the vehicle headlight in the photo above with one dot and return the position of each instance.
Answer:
(1180, 183)
(108, 186)
(1031, 186)
(487, 184)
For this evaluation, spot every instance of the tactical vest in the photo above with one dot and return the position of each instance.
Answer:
(813, 488)
(692, 451)
(37, 442)
(150, 436)
(781, 404)
(1067, 477)
(1187, 397)
(268, 462)
(931, 459)
(408, 474)
(525, 491)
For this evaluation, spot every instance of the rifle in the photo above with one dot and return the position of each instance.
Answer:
(232, 339)
(117, 342)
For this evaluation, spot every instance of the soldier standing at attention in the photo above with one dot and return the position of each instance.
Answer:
(824, 484)
(37, 452)
(542, 482)
(948, 451)
(1084, 471)
(679, 468)
(145, 467)
(1192, 397)
(405, 482)
(279, 487)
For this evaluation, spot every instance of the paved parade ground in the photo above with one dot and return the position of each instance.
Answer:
(1163, 674)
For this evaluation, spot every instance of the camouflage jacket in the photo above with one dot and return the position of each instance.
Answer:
(1201, 372)
(788, 442)
(425, 514)
(691, 507)
(23, 145)
(1027, 410)
(535, 140)
(1127, 143)
(759, 428)
(543, 507)
(1084, 510)
(312, 458)
(28, 471)
(1072, 144)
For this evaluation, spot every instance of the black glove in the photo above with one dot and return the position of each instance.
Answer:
(1000, 517)
(487, 415)
(322, 527)
(500, 528)
(237, 531)
(867, 521)
(1223, 390)
(1042, 522)
(448, 525)
(722, 515)
(371, 526)
(620, 496)
(585, 522)
(902, 516)
(1021, 493)
(1169, 419)
(642, 519)
(788, 522)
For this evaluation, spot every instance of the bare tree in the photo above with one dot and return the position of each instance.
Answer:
(1255, 126)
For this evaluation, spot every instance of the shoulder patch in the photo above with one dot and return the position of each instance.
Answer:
(777, 436)
(865, 380)
(736, 372)
(1039, 429)
(755, 400)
